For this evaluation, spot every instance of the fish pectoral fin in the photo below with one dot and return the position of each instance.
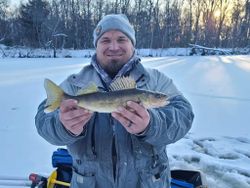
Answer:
(92, 88)
(122, 83)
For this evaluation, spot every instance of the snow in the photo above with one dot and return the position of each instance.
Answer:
(15, 52)
(217, 86)
(24, 52)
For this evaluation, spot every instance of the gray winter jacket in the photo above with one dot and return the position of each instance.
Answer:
(141, 161)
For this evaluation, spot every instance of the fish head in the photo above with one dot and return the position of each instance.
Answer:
(155, 100)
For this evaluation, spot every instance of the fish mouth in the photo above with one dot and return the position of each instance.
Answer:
(47, 108)
(166, 102)
(46, 105)
(163, 103)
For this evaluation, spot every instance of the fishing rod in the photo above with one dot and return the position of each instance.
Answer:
(33, 181)
(15, 181)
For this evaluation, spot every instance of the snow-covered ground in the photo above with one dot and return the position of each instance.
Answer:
(218, 88)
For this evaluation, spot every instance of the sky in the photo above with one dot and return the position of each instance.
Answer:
(218, 143)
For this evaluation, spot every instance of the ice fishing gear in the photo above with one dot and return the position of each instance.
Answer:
(14, 181)
(61, 157)
(62, 161)
(180, 184)
(53, 181)
(37, 181)
(187, 179)
(61, 176)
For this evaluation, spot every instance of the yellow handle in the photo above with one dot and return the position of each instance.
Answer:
(52, 180)
(60, 182)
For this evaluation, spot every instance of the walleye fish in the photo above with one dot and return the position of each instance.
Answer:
(122, 90)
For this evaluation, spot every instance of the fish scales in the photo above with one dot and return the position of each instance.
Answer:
(110, 101)
(105, 102)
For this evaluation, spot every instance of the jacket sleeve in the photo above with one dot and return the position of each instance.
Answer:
(50, 127)
(170, 123)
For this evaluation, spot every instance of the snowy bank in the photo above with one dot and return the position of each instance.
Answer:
(22, 52)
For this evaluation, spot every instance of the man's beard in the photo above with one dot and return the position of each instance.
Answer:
(113, 67)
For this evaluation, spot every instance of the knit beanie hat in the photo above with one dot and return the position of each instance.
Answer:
(118, 22)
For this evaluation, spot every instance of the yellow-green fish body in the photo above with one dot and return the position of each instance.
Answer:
(122, 91)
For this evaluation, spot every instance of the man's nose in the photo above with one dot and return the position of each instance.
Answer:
(114, 45)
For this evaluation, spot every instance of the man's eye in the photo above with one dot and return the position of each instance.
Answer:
(122, 40)
(105, 41)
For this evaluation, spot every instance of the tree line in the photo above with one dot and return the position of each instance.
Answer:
(158, 23)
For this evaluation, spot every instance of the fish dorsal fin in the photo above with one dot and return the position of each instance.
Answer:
(92, 88)
(122, 83)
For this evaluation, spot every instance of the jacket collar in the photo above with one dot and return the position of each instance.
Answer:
(90, 74)
(125, 70)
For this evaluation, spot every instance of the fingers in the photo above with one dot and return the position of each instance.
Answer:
(78, 127)
(74, 113)
(67, 105)
(131, 127)
(134, 117)
(138, 108)
(135, 112)
(73, 118)
(123, 120)
(70, 122)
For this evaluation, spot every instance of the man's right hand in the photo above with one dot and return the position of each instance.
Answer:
(73, 117)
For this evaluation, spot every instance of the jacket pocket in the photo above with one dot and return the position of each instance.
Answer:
(151, 164)
(156, 177)
(83, 180)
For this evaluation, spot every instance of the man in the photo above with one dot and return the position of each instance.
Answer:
(126, 148)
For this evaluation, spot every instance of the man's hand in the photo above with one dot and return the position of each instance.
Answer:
(73, 117)
(134, 117)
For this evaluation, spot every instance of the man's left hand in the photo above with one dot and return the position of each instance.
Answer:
(134, 117)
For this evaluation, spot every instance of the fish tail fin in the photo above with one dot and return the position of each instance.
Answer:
(54, 96)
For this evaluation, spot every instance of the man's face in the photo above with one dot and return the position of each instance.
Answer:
(113, 50)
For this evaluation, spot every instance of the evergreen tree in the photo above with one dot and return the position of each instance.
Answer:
(33, 17)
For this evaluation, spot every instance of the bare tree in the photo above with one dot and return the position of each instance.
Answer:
(236, 23)
(141, 22)
(171, 27)
(187, 22)
(99, 10)
(209, 7)
(170, 24)
(197, 15)
(222, 10)
(245, 28)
